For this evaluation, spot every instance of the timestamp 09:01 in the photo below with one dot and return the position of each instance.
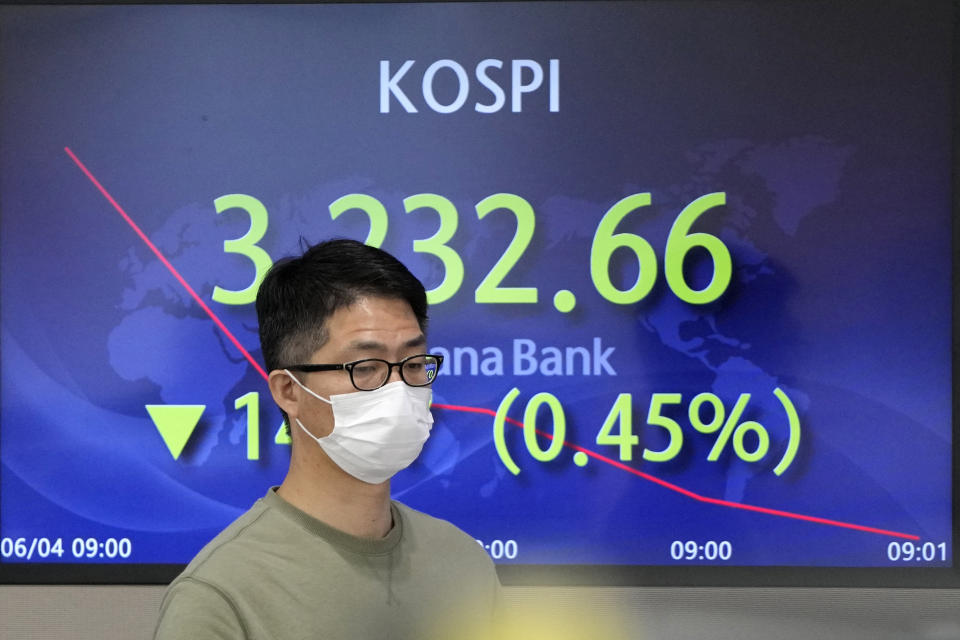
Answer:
(917, 552)
(30, 548)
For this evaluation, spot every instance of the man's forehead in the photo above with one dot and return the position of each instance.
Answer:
(365, 344)
(374, 311)
(372, 322)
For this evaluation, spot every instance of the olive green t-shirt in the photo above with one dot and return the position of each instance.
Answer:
(277, 573)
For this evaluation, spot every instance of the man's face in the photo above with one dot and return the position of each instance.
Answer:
(373, 327)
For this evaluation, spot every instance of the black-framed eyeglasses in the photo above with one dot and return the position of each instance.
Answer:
(370, 374)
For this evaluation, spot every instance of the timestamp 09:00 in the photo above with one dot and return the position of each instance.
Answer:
(30, 548)
(500, 549)
(693, 550)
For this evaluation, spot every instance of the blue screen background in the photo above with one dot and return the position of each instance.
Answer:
(829, 133)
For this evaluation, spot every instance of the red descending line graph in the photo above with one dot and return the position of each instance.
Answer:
(481, 410)
(166, 263)
(686, 492)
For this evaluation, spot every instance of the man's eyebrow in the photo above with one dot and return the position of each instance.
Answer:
(416, 342)
(366, 345)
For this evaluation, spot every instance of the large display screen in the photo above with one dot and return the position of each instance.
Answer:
(689, 264)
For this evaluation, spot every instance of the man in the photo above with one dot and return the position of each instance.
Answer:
(327, 554)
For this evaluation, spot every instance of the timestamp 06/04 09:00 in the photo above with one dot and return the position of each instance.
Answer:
(43, 548)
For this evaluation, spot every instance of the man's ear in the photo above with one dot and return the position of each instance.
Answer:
(284, 392)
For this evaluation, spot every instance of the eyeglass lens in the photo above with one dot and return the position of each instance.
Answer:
(418, 371)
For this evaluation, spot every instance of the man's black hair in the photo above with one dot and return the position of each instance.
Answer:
(298, 295)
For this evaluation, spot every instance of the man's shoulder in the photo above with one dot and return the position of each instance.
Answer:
(426, 524)
(451, 567)
(440, 537)
(241, 547)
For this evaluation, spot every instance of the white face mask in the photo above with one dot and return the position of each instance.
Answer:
(375, 433)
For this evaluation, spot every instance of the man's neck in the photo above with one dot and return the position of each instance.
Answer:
(322, 490)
